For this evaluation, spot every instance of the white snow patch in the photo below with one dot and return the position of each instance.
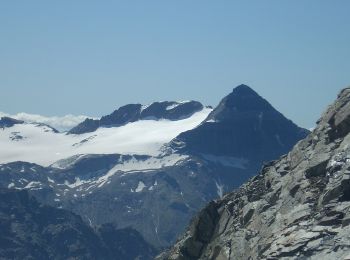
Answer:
(172, 106)
(153, 186)
(140, 186)
(143, 107)
(23, 180)
(50, 180)
(220, 189)
(176, 104)
(32, 185)
(11, 185)
(75, 184)
(134, 165)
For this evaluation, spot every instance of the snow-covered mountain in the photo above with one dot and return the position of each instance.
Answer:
(152, 171)
(41, 144)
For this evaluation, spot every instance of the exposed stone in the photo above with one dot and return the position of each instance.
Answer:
(134, 112)
(302, 210)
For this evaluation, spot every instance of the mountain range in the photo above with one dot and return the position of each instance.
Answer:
(149, 169)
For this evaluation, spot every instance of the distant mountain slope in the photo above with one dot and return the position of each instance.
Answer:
(156, 188)
(134, 112)
(43, 145)
(298, 207)
(30, 230)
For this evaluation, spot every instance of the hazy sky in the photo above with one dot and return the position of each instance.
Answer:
(89, 57)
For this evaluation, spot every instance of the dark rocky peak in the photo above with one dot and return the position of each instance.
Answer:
(87, 126)
(133, 112)
(241, 101)
(242, 125)
(9, 122)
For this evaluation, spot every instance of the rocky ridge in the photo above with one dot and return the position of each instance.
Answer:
(298, 207)
(133, 112)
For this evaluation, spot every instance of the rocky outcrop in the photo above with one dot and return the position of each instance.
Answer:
(298, 207)
(9, 122)
(31, 230)
(134, 112)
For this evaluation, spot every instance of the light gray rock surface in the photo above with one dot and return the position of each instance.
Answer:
(298, 207)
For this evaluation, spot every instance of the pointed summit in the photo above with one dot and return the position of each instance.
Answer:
(242, 99)
(243, 125)
(243, 89)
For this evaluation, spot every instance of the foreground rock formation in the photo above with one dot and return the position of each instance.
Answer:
(298, 207)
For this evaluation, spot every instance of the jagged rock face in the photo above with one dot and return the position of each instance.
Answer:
(242, 125)
(298, 207)
(134, 112)
(8, 122)
(31, 230)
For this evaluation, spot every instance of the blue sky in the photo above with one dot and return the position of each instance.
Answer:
(89, 57)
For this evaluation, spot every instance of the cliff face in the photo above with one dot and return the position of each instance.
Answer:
(298, 207)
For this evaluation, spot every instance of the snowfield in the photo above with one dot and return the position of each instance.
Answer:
(39, 144)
